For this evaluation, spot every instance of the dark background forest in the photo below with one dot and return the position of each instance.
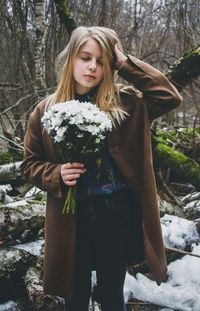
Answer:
(163, 33)
(32, 34)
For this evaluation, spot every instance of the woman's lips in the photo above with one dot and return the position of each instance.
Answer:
(89, 77)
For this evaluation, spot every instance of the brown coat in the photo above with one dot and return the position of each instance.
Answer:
(130, 146)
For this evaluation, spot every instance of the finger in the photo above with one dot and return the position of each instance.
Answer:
(77, 164)
(73, 171)
(72, 167)
(73, 164)
(72, 174)
(70, 182)
(71, 177)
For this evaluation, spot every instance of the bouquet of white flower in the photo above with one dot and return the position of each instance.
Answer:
(79, 130)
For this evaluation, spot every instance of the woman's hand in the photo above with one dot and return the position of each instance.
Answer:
(120, 57)
(70, 172)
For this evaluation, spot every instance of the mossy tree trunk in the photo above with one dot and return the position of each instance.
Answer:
(187, 169)
(187, 68)
(65, 15)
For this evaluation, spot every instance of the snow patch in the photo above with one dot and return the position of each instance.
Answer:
(33, 191)
(8, 306)
(17, 203)
(180, 292)
(33, 248)
(178, 232)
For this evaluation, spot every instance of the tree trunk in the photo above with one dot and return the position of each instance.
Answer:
(39, 301)
(40, 81)
(187, 68)
(15, 220)
(185, 167)
(65, 15)
(10, 171)
(13, 264)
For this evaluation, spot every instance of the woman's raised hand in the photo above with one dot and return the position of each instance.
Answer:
(70, 172)
(120, 57)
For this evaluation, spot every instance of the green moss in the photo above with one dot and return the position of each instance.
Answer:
(7, 157)
(175, 136)
(162, 136)
(185, 69)
(186, 168)
(65, 15)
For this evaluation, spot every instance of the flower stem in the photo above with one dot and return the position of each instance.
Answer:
(70, 202)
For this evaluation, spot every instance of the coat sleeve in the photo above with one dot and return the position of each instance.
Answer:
(161, 96)
(35, 167)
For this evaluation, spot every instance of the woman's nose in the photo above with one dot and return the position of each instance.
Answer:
(93, 65)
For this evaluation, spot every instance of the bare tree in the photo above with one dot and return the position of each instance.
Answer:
(32, 33)
(40, 46)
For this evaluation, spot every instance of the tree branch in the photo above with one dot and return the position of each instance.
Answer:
(65, 15)
(184, 70)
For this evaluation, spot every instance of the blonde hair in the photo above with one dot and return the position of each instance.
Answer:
(106, 97)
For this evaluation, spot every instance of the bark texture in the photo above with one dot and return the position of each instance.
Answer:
(39, 301)
(9, 171)
(40, 82)
(65, 15)
(185, 69)
(13, 264)
(17, 219)
(166, 155)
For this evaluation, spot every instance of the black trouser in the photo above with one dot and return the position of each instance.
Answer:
(104, 228)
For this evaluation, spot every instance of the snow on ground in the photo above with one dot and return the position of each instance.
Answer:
(9, 305)
(17, 203)
(178, 232)
(193, 202)
(34, 248)
(5, 188)
(33, 191)
(181, 291)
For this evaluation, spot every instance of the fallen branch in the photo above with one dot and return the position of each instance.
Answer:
(15, 105)
(37, 298)
(13, 264)
(185, 69)
(12, 142)
(15, 220)
(176, 250)
(10, 171)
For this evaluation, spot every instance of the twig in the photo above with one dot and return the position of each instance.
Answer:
(16, 104)
(176, 250)
(169, 192)
(11, 141)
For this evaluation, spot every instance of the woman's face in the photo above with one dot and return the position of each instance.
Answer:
(88, 67)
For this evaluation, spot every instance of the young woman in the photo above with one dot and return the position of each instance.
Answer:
(117, 219)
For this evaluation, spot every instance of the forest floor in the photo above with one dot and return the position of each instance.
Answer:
(141, 306)
(136, 305)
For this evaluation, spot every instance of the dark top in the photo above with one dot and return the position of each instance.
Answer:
(102, 176)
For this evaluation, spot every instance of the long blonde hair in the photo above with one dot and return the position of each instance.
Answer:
(106, 97)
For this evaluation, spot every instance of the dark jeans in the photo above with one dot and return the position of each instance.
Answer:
(104, 228)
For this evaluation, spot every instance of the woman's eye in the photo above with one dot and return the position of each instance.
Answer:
(85, 58)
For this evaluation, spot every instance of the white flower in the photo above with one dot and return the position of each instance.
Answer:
(60, 134)
(69, 120)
